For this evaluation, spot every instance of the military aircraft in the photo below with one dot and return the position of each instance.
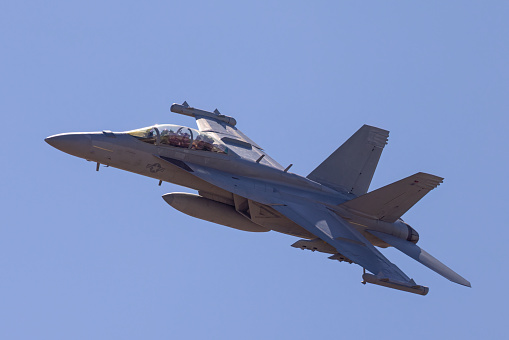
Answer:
(241, 187)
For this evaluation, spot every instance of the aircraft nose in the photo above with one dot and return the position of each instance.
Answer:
(76, 144)
(169, 198)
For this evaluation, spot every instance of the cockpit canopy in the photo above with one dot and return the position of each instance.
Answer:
(180, 137)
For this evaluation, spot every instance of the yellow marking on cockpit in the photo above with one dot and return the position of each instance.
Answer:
(362, 225)
(102, 148)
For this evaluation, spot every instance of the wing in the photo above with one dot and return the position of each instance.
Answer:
(320, 221)
(392, 201)
(312, 216)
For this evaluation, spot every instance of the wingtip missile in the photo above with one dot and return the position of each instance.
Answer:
(416, 289)
(185, 109)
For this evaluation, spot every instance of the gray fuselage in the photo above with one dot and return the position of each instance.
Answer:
(167, 163)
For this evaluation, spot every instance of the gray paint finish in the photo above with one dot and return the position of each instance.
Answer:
(241, 187)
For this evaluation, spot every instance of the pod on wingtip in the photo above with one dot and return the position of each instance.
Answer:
(416, 289)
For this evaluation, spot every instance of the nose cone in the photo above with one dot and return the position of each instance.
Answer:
(76, 144)
(169, 198)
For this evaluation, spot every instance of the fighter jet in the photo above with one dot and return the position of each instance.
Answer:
(242, 187)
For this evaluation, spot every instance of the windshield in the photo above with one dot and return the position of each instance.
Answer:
(180, 137)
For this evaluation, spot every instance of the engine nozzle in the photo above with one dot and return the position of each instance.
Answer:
(413, 235)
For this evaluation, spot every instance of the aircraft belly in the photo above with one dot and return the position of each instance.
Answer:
(218, 195)
(260, 194)
(284, 227)
(259, 214)
(150, 166)
(144, 163)
(269, 218)
(178, 176)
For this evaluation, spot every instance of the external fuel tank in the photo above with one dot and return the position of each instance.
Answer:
(212, 211)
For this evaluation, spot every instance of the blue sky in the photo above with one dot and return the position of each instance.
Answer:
(101, 255)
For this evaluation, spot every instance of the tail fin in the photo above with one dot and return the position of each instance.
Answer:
(351, 167)
(391, 201)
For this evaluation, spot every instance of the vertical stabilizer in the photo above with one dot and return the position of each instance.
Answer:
(351, 167)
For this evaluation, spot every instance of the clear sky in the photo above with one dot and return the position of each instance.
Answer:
(87, 255)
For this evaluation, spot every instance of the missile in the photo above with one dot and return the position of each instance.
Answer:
(416, 289)
(186, 110)
(205, 209)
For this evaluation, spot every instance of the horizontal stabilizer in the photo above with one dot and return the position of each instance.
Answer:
(391, 201)
(351, 167)
(420, 255)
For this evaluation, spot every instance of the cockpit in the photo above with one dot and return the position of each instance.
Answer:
(180, 137)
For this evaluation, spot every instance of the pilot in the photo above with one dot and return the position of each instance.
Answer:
(165, 137)
(198, 144)
(185, 140)
(173, 140)
(151, 136)
(208, 147)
